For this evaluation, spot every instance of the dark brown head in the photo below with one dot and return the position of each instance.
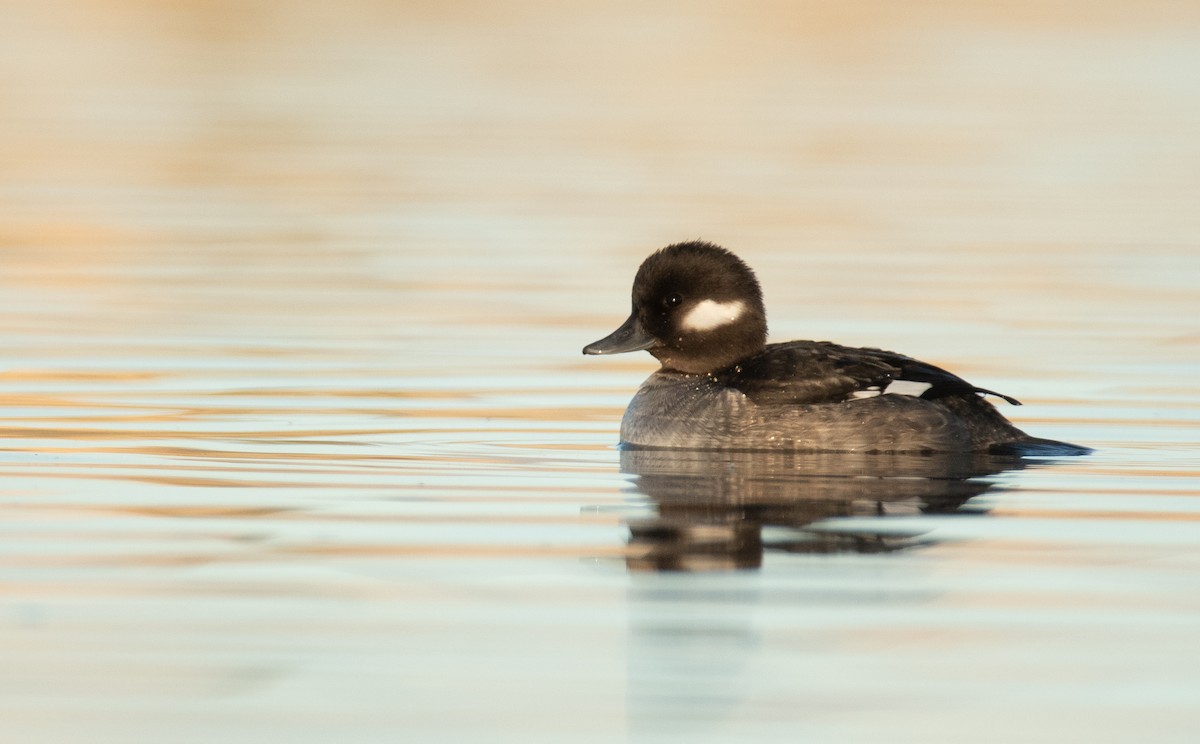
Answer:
(696, 307)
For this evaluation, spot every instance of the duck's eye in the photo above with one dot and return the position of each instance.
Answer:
(672, 300)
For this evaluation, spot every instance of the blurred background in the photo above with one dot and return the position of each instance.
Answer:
(1008, 161)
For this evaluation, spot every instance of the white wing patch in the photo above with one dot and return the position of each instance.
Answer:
(908, 387)
(895, 387)
(711, 314)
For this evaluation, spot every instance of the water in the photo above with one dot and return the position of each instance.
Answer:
(298, 444)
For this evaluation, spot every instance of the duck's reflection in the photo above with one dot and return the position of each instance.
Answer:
(712, 507)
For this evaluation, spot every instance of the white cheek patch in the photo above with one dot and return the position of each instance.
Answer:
(711, 314)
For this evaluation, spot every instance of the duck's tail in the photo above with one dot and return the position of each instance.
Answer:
(1036, 447)
(993, 433)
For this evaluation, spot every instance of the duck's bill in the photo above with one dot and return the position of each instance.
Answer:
(629, 337)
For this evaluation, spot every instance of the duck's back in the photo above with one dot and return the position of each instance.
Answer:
(825, 372)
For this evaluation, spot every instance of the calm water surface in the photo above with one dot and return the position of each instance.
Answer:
(297, 443)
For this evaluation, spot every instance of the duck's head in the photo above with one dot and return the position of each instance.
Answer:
(696, 307)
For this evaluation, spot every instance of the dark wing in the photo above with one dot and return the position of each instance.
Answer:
(823, 372)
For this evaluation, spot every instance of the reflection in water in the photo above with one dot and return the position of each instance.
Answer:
(713, 506)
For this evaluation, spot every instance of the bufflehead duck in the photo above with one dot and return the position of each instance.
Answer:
(698, 309)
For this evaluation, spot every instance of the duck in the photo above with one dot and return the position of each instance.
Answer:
(698, 309)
